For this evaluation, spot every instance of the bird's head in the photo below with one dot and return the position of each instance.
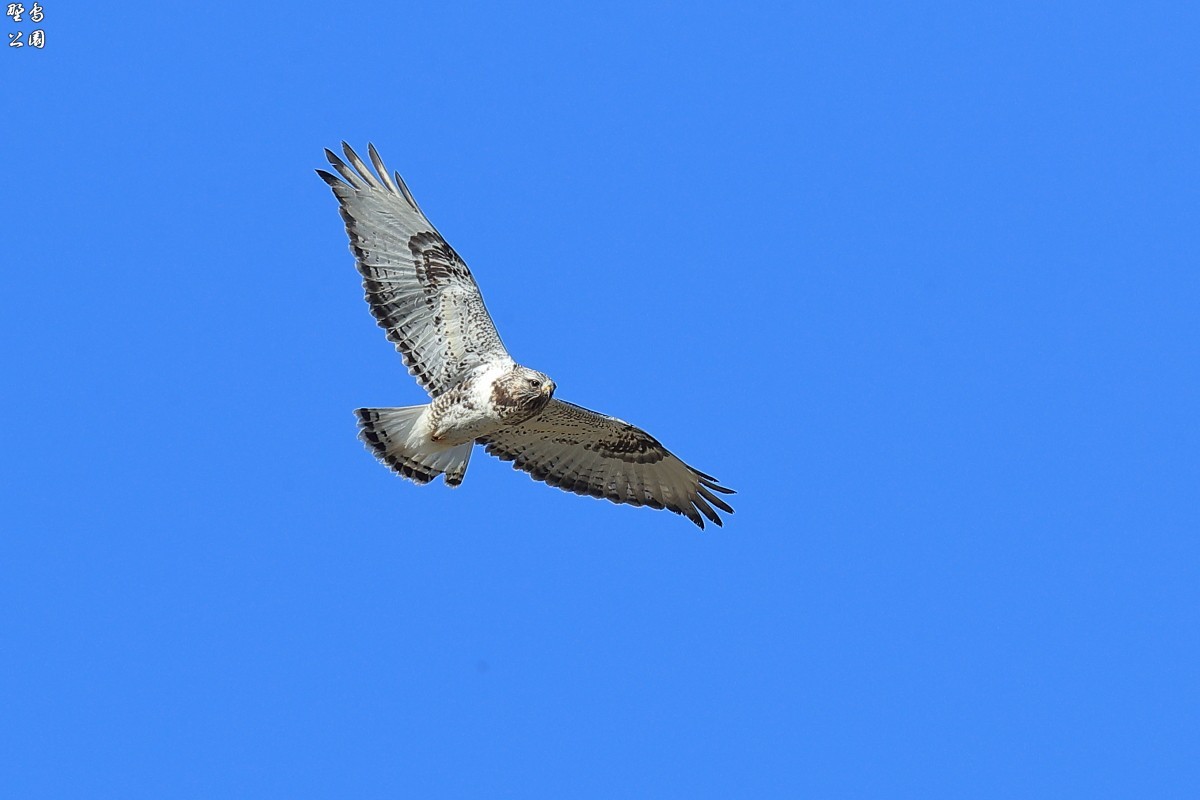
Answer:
(523, 392)
(535, 387)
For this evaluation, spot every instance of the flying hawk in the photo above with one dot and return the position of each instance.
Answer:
(424, 296)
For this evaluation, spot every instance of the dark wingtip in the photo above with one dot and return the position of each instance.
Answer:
(328, 177)
(716, 487)
(716, 501)
(706, 510)
(710, 481)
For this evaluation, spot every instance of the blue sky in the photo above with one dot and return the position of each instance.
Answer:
(919, 280)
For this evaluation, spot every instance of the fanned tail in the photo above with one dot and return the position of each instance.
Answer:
(394, 435)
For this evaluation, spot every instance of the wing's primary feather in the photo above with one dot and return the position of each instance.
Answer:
(584, 452)
(420, 290)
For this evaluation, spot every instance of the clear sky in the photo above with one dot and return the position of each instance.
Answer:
(918, 279)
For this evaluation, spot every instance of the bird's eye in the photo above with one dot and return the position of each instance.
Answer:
(534, 383)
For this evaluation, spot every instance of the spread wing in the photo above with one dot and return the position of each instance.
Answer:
(588, 453)
(418, 288)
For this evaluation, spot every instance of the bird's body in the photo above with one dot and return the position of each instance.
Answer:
(489, 399)
(422, 293)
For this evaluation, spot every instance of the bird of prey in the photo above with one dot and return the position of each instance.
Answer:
(424, 297)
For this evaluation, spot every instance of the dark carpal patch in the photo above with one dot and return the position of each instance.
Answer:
(436, 262)
(634, 446)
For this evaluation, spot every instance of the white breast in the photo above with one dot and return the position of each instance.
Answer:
(473, 416)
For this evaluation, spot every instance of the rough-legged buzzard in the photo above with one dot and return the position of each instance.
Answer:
(424, 296)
